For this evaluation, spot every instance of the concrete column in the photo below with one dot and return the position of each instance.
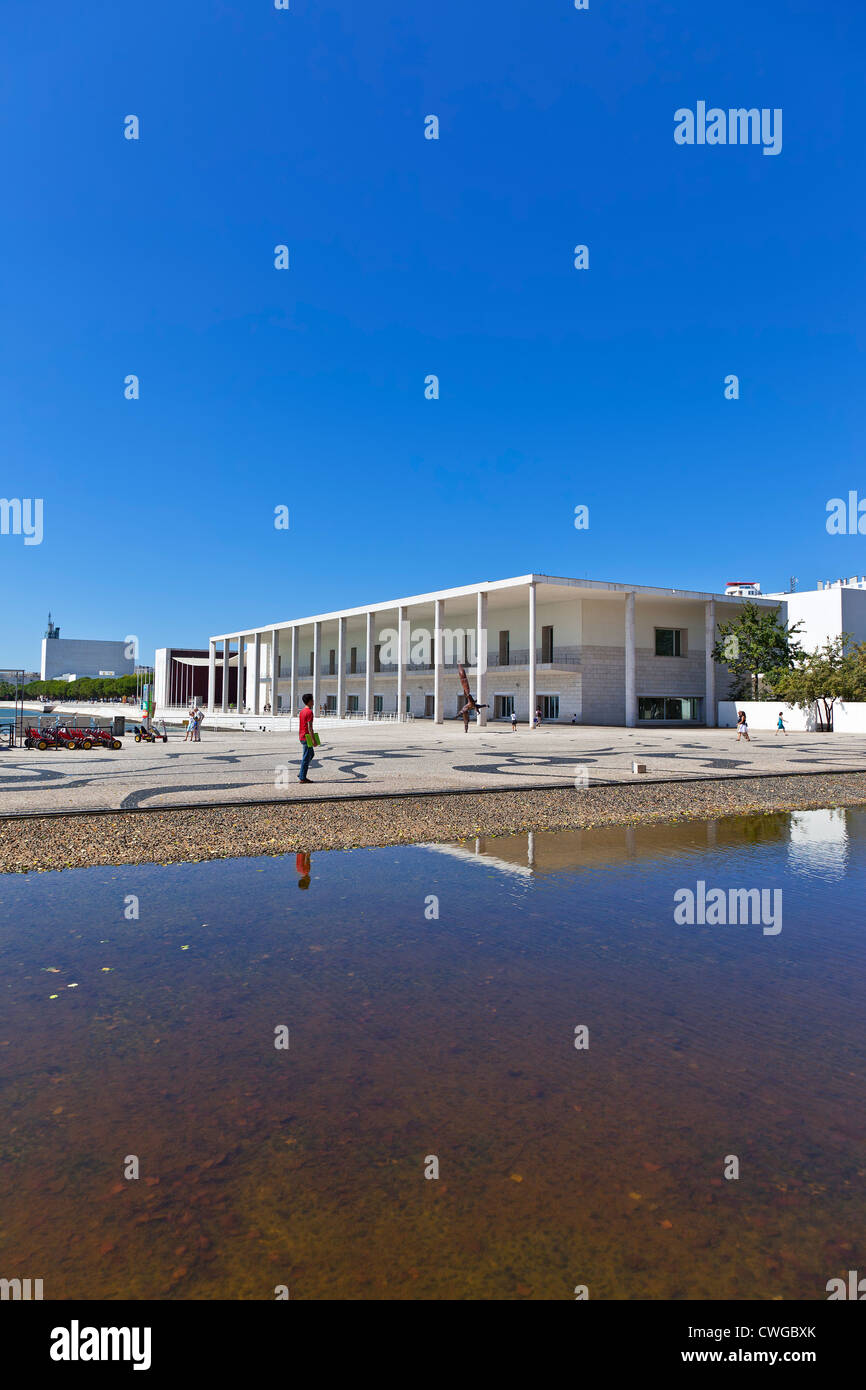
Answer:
(532, 696)
(256, 674)
(317, 664)
(401, 664)
(226, 657)
(293, 675)
(341, 667)
(211, 676)
(438, 611)
(241, 700)
(710, 677)
(368, 669)
(275, 667)
(630, 691)
(481, 658)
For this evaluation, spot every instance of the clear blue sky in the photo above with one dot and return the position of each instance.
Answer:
(409, 257)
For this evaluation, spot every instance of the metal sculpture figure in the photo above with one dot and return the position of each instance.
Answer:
(471, 702)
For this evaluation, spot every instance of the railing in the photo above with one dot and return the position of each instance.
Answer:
(518, 656)
(560, 656)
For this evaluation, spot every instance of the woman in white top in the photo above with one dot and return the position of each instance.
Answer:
(742, 727)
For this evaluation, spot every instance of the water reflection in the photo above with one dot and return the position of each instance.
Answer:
(818, 845)
(431, 1000)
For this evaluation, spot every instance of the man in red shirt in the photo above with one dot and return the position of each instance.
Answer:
(305, 727)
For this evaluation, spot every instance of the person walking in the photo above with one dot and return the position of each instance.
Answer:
(307, 737)
(780, 726)
(742, 727)
(513, 722)
(190, 725)
(537, 720)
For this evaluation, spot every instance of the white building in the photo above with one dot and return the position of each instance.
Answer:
(600, 653)
(65, 658)
(834, 607)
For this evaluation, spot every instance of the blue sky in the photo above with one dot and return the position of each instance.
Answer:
(408, 257)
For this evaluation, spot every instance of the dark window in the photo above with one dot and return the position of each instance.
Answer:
(680, 707)
(547, 644)
(504, 648)
(377, 664)
(353, 660)
(332, 662)
(549, 706)
(670, 641)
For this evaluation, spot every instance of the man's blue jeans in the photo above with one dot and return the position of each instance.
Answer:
(305, 763)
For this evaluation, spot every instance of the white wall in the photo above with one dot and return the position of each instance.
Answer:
(848, 717)
(761, 714)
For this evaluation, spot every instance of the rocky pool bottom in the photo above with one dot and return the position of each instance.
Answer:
(431, 997)
(34, 842)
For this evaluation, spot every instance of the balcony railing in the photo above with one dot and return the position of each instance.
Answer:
(518, 656)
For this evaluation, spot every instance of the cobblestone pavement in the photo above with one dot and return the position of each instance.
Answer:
(383, 760)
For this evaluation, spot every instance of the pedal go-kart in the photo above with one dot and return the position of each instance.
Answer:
(145, 735)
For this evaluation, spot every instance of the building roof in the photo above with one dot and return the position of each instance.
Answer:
(597, 588)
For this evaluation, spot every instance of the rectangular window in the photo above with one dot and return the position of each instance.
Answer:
(674, 707)
(279, 665)
(331, 703)
(504, 648)
(671, 641)
(353, 660)
(352, 704)
(650, 707)
(408, 704)
(549, 706)
(377, 664)
(547, 644)
(332, 662)
(503, 706)
(377, 704)
(279, 702)
(429, 706)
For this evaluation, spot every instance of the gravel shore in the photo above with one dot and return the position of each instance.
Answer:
(215, 832)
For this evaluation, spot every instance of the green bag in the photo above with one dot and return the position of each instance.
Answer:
(312, 740)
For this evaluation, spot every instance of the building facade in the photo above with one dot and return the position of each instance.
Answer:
(825, 612)
(582, 651)
(65, 657)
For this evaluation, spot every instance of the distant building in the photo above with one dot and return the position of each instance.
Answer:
(62, 656)
(742, 588)
(834, 607)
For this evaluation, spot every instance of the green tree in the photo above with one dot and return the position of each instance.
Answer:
(834, 672)
(755, 645)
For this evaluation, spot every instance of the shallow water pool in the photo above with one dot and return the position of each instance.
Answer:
(431, 997)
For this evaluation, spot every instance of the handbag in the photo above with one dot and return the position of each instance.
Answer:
(312, 740)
